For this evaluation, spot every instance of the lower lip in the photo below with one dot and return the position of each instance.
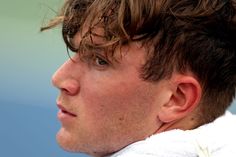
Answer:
(64, 117)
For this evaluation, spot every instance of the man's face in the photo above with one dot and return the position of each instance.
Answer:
(106, 106)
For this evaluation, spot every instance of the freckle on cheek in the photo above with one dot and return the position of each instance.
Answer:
(121, 118)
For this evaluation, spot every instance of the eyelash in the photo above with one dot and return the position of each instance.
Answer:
(99, 61)
(96, 60)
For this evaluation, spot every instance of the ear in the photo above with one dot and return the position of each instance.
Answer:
(186, 95)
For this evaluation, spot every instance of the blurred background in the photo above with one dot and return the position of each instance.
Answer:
(28, 58)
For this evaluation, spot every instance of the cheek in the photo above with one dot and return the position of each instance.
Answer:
(112, 104)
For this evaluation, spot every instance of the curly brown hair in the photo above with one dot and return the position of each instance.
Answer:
(182, 35)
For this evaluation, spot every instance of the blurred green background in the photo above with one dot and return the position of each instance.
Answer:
(28, 58)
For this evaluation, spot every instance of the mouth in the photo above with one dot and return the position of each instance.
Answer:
(65, 111)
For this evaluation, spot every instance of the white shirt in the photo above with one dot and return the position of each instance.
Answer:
(216, 139)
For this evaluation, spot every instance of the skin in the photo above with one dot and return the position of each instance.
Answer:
(114, 106)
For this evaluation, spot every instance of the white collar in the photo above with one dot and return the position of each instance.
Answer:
(209, 140)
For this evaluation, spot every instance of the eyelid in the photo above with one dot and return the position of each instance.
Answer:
(99, 62)
(92, 52)
(97, 52)
(97, 55)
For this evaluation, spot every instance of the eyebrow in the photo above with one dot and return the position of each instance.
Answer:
(93, 47)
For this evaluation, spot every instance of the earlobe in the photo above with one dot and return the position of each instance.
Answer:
(186, 94)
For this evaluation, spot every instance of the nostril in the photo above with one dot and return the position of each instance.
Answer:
(70, 87)
(65, 91)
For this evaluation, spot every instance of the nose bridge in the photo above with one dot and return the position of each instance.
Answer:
(66, 78)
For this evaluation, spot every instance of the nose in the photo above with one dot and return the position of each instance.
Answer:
(65, 79)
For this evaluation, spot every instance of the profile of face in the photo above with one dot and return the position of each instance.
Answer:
(105, 106)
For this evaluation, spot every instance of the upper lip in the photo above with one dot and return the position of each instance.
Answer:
(64, 110)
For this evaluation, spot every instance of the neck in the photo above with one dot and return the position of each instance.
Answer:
(186, 123)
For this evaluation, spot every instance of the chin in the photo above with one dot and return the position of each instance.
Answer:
(66, 141)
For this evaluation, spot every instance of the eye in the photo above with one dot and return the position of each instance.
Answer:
(100, 62)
